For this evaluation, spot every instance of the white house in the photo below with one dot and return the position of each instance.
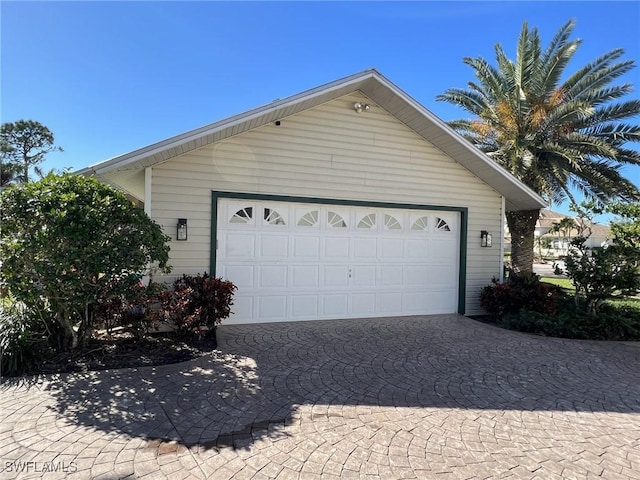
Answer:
(558, 242)
(347, 200)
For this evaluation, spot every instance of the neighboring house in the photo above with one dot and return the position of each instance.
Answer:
(558, 241)
(347, 200)
(552, 243)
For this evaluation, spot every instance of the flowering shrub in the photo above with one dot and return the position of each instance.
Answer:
(521, 292)
(199, 303)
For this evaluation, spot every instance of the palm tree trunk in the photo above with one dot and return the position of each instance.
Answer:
(521, 225)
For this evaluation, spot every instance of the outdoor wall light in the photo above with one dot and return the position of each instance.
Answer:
(182, 229)
(360, 107)
(485, 239)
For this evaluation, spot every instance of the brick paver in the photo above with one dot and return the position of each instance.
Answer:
(414, 397)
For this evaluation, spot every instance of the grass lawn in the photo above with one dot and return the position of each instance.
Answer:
(567, 286)
(564, 283)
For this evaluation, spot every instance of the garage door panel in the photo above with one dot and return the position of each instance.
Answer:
(336, 248)
(417, 275)
(274, 247)
(305, 276)
(304, 306)
(336, 276)
(391, 249)
(242, 307)
(363, 304)
(272, 307)
(241, 275)
(389, 302)
(306, 247)
(240, 245)
(335, 305)
(293, 261)
(442, 275)
(363, 275)
(392, 275)
(415, 302)
(443, 249)
(417, 249)
(440, 301)
(365, 248)
(273, 276)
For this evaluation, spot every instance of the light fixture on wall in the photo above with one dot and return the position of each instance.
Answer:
(361, 107)
(485, 239)
(181, 234)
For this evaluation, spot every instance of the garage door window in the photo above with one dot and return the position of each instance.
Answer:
(335, 220)
(272, 217)
(441, 225)
(368, 221)
(391, 223)
(420, 225)
(244, 215)
(309, 219)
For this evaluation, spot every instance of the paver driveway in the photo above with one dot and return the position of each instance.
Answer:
(414, 397)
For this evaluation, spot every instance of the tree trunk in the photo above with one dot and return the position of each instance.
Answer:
(86, 326)
(70, 338)
(522, 225)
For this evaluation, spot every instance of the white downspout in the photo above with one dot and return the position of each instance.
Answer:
(147, 209)
(147, 190)
(503, 221)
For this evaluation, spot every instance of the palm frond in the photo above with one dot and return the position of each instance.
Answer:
(608, 113)
(599, 96)
(470, 101)
(596, 78)
(489, 77)
(556, 57)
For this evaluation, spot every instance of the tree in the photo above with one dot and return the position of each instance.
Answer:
(7, 173)
(563, 226)
(23, 146)
(606, 272)
(626, 230)
(67, 242)
(541, 242)
(554, 135)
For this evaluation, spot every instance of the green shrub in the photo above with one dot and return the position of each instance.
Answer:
(613, 322)
(22, 341)
(602, 273)
(67, 241)
(521, 292)
(199, 303)
(137, 309)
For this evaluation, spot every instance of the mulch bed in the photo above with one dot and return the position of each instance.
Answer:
(120, 350)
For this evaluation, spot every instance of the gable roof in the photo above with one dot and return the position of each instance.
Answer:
(372, 84)
(549, 217)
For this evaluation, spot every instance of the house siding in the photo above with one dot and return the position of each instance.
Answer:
(332, 152)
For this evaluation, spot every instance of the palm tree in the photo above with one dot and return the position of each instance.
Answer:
(563, 226)
(555, 135)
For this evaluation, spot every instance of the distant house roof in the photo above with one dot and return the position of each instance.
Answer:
(549, 217)
(372, 84)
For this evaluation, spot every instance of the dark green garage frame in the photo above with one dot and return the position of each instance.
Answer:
(464, 214)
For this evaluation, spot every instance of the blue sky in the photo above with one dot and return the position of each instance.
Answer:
(110, 77)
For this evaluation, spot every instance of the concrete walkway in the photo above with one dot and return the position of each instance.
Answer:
(414, 397)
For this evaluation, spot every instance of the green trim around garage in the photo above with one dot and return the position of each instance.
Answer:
(462, 274)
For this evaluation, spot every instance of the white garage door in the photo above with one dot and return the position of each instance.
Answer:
(298, 261)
